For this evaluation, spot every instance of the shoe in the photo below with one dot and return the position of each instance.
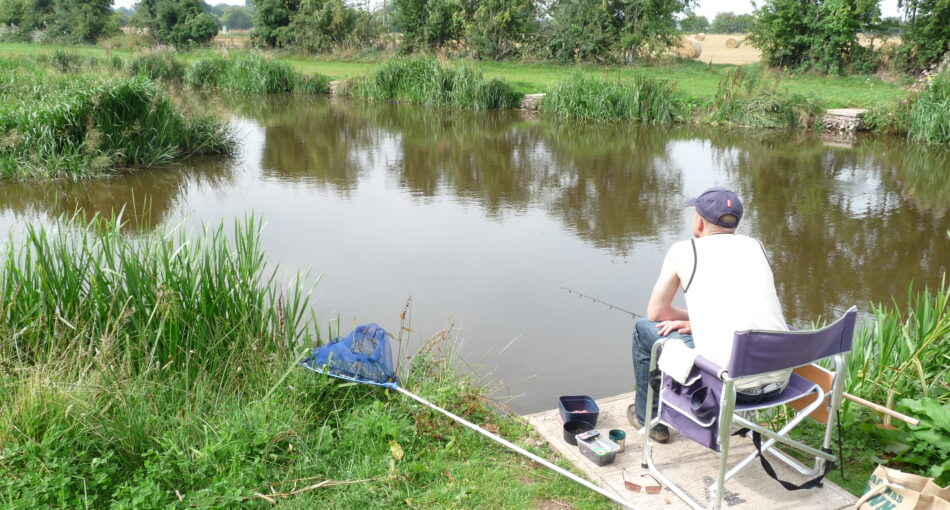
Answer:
(660, 433)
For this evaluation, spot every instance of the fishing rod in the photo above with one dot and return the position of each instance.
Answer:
(858, 400)
(612, 307)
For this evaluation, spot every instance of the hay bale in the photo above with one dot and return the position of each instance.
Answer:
(700, 37)
(888, 46)
(732, 42)
(689, 49)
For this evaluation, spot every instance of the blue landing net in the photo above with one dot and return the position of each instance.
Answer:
(363, 356)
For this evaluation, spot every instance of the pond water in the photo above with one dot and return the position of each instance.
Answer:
(483, 217)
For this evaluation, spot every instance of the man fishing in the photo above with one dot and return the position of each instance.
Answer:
(728, 285)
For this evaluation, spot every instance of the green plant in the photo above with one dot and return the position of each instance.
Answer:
(79, 125)
(206, 72)
(746, 99)
(925, 33)
(812, 34)
(644, 99)
(425, 81)
(924, 448)
(929, 119)
(156, 65)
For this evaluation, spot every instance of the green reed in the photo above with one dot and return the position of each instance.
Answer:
(426, 81)
(746, 99)
(930, 116)
(905, 351)
(644, 99)
(252, 74)
(81, 124)
(156, 65)
(160, 298)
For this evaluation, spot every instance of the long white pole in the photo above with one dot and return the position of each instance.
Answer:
(508, 444)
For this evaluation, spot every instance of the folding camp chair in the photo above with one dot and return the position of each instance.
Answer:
(704, 409)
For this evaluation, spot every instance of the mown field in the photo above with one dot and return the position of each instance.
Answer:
(693, 78)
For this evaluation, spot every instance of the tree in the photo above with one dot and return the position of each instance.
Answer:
(176, 22)
(819, 35)
(731, 23)
(429, 23)
(236, 17)
(694, 23)
(271, 16)
(73, 21)
(604, 30)
(926, 34)
(498, 28)
(318, 25)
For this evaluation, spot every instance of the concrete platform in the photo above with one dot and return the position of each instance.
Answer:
(688, 464)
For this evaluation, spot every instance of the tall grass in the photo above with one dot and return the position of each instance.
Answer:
(930, 116)
(160, 371)
(156, 65)
(252, 74)
(79, 125)
(644, 98)
(746, 99)
(426, 81)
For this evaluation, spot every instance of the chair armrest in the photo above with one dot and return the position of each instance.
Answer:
(709, 367)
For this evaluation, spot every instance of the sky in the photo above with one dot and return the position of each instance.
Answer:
(707, 8)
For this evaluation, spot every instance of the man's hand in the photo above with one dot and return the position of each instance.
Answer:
(667, 327)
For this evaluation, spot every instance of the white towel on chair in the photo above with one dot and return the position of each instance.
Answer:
(676, 360)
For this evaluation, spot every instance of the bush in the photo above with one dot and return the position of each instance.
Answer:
(811, 34)
(206, 72)
(746, 99)
(645, 99)
(425, 81)
(252, 74)
(312, 84)
(157, 65)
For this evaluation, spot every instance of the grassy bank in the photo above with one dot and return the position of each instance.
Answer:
(159, 371)
(697, 80)
(79, 124)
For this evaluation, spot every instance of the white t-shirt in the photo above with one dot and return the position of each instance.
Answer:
(732, 289)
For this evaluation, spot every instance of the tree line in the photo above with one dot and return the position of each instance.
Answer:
(815, 35)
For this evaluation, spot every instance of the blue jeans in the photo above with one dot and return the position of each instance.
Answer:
(645, 334)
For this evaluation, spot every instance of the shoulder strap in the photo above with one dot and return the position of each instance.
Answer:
(695, 259)
(767, 260)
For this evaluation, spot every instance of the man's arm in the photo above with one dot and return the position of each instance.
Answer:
(660, 307)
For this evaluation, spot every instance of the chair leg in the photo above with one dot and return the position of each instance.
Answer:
(648, 419)
(725, 427)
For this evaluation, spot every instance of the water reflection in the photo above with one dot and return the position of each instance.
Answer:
(840, 231)
(485, 216)
(145, 198)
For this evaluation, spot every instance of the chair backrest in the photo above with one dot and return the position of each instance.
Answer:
(757, 352)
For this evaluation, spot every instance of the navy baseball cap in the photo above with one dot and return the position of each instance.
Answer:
(714, 203)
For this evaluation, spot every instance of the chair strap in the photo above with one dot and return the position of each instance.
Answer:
(769, 470)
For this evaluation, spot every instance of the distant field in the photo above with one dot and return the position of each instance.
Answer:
(716, 52)
(696, 78)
